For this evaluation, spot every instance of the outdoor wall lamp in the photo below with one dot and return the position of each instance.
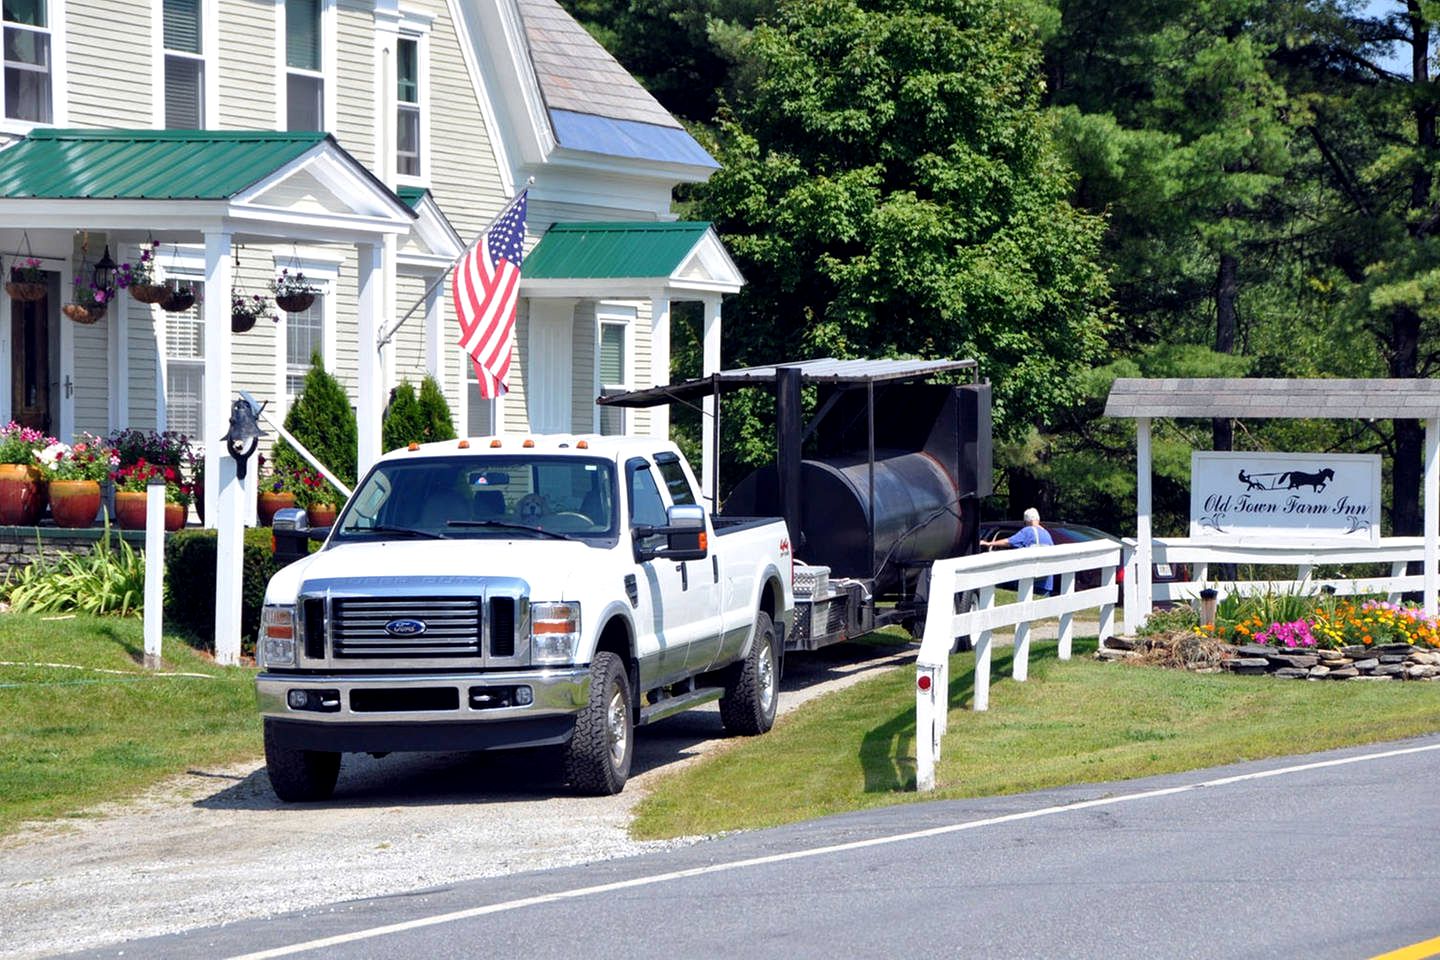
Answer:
(243, 437)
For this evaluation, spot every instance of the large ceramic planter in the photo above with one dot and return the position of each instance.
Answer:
(130, 509)
(321, 515)
(174, 516)
(22, 496)
(270, 503)
(74, 503)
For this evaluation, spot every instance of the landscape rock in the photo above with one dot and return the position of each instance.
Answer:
(1430, 657)
(1364, 666)
(1256, 650)
(1393, 658)
(1344, 673)
(1291, 673)
(1301, 660)
(1328, 655)
(1390, 670)
(1319, 671)
(1422, 671)
(1105, 653)
(1356, 650)
(1393, 648)
(1120, 643)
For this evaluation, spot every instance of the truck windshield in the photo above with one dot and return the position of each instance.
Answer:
(483, 497)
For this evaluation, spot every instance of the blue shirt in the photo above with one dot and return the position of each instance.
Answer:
(1028, 536)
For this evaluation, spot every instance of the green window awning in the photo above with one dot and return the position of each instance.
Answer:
(146, 164)
(613, 250)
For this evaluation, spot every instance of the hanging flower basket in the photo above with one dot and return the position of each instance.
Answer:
(178, 299)
(86, 313)
(241, 322)
(148, 292)
(21, 290)
(294, 302)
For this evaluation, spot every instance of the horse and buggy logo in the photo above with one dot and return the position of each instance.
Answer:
(1288, 480)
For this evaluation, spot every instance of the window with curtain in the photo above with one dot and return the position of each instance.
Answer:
(612, 375)
(407, 98)
(304, 337)
(184, 65)
(304, 82)
(26, 43)
(185, 370)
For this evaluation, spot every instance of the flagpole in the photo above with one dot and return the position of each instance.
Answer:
(385, 336)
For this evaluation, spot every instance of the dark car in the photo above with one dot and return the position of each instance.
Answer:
(1063, 532)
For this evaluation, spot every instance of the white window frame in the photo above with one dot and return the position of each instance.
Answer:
(179, 263)
(209, 63)
(329, 51)
(616, 315)
(59, 75)
(413, 27)
(323, 272)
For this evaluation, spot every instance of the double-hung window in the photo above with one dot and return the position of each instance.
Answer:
(28, 60)
(612, 375)
(407, 99)
(185, 370)
(304, 76)
(304, 339)
(184, 65)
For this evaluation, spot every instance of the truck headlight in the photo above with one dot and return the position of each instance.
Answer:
(277, 636)
(554, 632)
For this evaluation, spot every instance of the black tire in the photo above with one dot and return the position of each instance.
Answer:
(597, 758)
(752, 686)
(299, 776)
(964, 603)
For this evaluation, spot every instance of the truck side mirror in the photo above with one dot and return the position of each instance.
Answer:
(684, 533)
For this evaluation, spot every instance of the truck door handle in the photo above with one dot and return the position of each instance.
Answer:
(715, 566)
(684, 575)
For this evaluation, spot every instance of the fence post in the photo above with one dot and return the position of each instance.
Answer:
(1020, 666)
(154, 569)
(1132, 595)
(1067, 619)
(985, 601)
(927, 734)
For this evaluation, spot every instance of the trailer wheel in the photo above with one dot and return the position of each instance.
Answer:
(964, 603)
(299, 776)
(597, 758)
(752, 687)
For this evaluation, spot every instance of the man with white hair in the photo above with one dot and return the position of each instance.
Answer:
(1030, 535)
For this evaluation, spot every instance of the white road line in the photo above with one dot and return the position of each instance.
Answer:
(658, 878)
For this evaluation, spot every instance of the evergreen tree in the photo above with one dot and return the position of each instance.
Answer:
(322, 419)
(416, 419)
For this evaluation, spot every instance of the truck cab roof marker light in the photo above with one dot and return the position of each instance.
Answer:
(528, 443)
(464, 444)
(582, 445)
(494, 444)
(413, 446)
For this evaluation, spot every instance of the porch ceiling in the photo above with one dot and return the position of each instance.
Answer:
(180, 184)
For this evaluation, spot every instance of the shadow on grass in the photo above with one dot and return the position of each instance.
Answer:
(133, 649)
(887, 752)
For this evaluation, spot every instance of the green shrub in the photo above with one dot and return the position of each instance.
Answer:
(107, 580)
(1180, 617)
(321, 418)
(190, 565)
(420, 419)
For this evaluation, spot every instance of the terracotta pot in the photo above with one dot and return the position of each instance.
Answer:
(130, 509)
(22, 496)
(174, 516)
(321, 515)
(74, 503)
(271, 502)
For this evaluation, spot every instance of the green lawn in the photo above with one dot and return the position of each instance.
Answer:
(1074, 722)
(82, 722)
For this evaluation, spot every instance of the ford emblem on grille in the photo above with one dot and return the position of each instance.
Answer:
(405, 628)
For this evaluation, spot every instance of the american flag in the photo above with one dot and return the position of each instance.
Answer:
(486, 289)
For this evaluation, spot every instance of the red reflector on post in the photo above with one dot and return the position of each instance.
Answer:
(923, 682)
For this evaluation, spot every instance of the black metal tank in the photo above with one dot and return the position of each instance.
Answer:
(917, 513)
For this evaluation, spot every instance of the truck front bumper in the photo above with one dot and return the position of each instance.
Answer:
(451, 711)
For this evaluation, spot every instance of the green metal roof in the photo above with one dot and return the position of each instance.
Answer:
(146, 164)
(612, 250)
(411, 196)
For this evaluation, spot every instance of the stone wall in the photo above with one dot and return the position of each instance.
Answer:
(1390, 661)
(21, 546)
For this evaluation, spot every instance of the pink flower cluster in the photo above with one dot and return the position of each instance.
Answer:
(1294, 634)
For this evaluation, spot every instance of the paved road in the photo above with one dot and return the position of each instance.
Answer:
(1333, 855)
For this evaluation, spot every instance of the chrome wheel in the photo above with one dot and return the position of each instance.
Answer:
(766, 676)
(617, 725)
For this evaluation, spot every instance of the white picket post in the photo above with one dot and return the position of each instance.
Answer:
(1020, 665)
(1067, 619)
(154, 569)
(927, 737)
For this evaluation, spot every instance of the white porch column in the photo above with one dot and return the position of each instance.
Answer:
(1143, 551)
(370, 398)
(435, 349)
(119, 333)
(709, 423)
(223, 487)
(1432, 512)
(659, 362)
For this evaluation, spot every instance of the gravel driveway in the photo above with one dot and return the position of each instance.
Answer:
(215, 845)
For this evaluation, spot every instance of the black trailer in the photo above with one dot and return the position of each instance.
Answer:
(883, 480)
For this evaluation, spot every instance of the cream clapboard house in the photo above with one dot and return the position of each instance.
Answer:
(365, 143)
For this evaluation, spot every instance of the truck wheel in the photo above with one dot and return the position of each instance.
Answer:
(597, 758)
(752, 690)
(297, 775)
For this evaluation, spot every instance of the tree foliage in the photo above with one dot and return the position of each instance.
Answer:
(416, 419)
(890, 187)
(322, 419)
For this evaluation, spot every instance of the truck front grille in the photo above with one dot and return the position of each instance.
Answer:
(451, 627)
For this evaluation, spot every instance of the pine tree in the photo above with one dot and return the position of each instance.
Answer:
(322, 419)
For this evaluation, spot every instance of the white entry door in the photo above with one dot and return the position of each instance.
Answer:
(548, 380)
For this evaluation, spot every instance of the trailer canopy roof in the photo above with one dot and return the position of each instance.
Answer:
(1244, 398)
(825, 370)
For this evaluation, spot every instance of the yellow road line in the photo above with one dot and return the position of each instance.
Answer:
(1416, 951)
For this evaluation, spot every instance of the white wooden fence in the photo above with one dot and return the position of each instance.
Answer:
(951, 579)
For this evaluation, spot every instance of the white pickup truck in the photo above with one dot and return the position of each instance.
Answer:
(518, 592)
